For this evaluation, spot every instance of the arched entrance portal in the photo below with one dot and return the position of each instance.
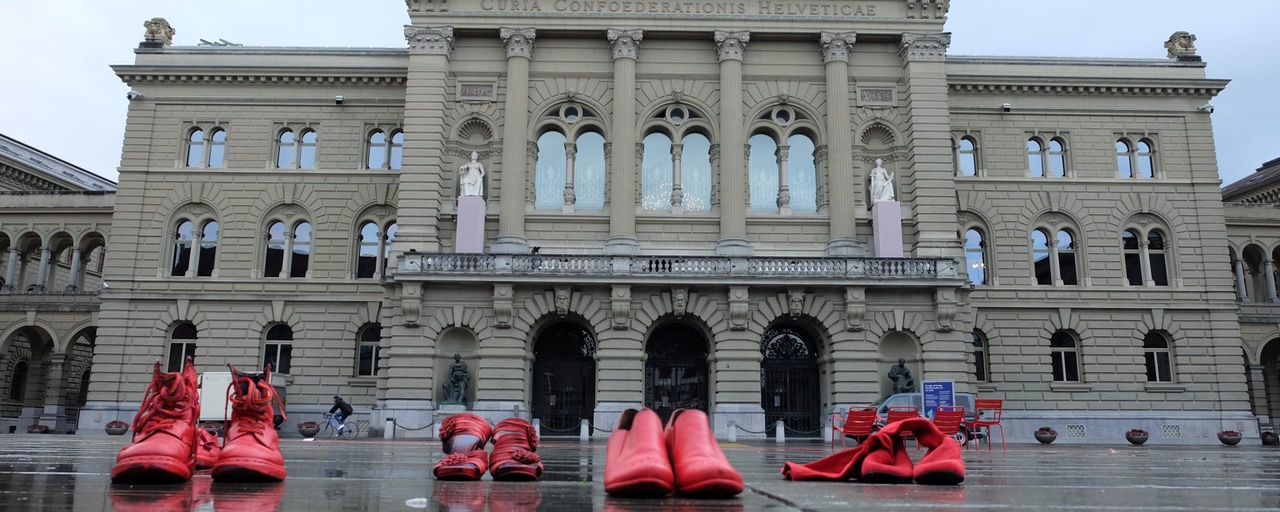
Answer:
(676, 374)
(564, 378)
(789, 379)
(1270, 385)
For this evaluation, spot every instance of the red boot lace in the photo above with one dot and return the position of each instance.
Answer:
(164, 403)
(253, 407)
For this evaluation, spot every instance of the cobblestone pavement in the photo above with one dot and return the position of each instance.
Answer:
(57, 472)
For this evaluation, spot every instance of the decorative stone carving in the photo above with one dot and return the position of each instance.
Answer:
(680, 301)
(411, 303)
(731, 45)
(625, 43)
(920, 46)
(562, 301)
(945, 304)
(677, 96)
(159, 33)
(927, 9)
(518, 41)
(427, 5)
(429, 40)
(881, 183)
(502, 305)
(795, 302)
(471, 177)
(836, 45)
(621, 306)
(855, 304)
(738, 302)
(1181, 46)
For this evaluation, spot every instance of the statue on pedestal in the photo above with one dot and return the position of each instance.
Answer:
(455, 388)
(881, 183)
(471, 177)
(901, 377)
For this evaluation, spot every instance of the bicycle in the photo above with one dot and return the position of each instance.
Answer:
(349, 430)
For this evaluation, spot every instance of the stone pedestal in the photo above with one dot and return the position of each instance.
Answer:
(886, 223)
(469, 238)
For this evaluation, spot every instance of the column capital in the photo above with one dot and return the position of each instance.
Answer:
(429, 40)
(731, 45)
(625, 42)
(836, 45)
(924, 46)
(518, 41)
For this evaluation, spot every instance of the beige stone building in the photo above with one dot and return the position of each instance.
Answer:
(677, 212)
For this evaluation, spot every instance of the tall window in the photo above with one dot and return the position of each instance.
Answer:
(18, 386)
(370, 338)
(550, 168)
(1054, 263)
(385, 152)
(570, 171)
(1155, 257)
(205, 151)
(296, 151)
(1132, 257)
(182, 344)
(288, 251)
(1144, 260)
(676, 162)
(208, 249)
(782, 162)
(1156, 352)
(182, 241)
(204, 260)
(975, 254)
(374, 249)
(1135, 159)
(278, 350)
(979, 356)
(656, 172)
(763, 172)
(967, 157)
(1065, 355)
(1047, 158)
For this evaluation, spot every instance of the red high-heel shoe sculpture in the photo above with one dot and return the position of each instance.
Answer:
(514, 446)
(701, 470)
(463, 437)
(636, 462)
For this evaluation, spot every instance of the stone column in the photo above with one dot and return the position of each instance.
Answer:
(42, 275)
(570, 197)
(625, 44)
(1242, 291)
(677, 190)
(55, 404)
(1258, 392)
(784, 189)
(422, 176)
(74, 280)
(11, 270)
(730, 47)
(930, 177)
(1270, 269)
(841, 175)
(519, 46)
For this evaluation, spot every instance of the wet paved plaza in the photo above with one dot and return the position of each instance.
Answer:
(59, 472)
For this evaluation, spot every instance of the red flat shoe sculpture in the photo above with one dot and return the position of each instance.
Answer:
(463, 437)
(701, 470)
(252, 451)
(513, 458)
(163, 450)
(636, 462)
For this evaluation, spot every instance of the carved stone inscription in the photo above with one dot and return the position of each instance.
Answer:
(703, 7)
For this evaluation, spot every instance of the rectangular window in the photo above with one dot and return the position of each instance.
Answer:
(1133, 268)
(181, 258)
(980, 366)
(179, 352)
(369, 353)
(1065, 366)
(1157, 363)
(279, 356)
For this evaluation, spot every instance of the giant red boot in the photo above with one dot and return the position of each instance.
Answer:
(252, 449)
(164, 431)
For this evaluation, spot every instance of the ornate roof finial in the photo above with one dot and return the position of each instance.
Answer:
(158, 35)
(1181, 46)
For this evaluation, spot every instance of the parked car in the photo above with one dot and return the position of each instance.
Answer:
(965, 400)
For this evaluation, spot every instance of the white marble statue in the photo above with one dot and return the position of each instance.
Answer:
(881, 183)
(472, 177)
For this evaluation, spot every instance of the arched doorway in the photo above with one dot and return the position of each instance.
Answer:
(676, 374)
(564, 378)
(1270, 385)
(789, 379)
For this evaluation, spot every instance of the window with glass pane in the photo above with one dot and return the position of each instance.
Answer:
(1155, 256)
(301, 250)
(1057, 158)
(208, 249)
(802, 174)
(1146, 160)
(195, 148)
(1041, 264)
(367, 259)
(695, 172)
(656, 174)
(967, 157)
(550, 171)
(1066, 257)
(975, 256)
(1035, 157)
(1065, 357)
(1132, 258)
(182, 249)
(1124, 159)
(181, 346)
(763, 178)
(589, 172)
(278, 351)
(397, 150)
(979, 356)
(307, 150)
(276, 242)
(370, 349)
(217, 147)
(285, 150)
(377, 149)
(1156, 354)
(390, 237)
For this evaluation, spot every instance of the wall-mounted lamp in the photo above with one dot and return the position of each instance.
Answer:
(337, 100)
(1006, 108)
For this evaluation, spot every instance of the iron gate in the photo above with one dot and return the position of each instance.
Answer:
(676, 374)
(789, 387)
(564, 378)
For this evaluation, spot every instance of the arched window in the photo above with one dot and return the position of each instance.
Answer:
(296, 151)
(1135, 159)
(206, 151)
(695, 172)
(1065, 356)
(1066, 250)
(368, 349)
(763, 169)
(278, 350)
(384, 152)
(195, 148)
(307, 150)
(802, 174)
(1144, 260)
(1047, 159)
(277, 247)
(979, 356)
(208, 256)
(975, 253)
(288, 251)
(1156, 353)
(1035, 157)
(1057, 158)
(1146, 159)
(396, 160)
(550, 171)
(1132, 257)
(1124, 158)
(656, 174)
(286, 150)
(182, 345)
(1155, 257)
(374, 248)
(301, 250)
(217, 147)
(182, 241)
(589, 172)
(967, 156)
(1054, 263)
(18, 386)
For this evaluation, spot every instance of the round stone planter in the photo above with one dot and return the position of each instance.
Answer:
(1270, 440)
(1046, 437)
(116, 428)
(308, 430)
(1136, 438)
(37, 429)
(1230, 439)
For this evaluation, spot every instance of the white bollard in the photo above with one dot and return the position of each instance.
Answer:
(537, 427)
(780, 432)
(733, 432)
(584, 431)
(390, 431)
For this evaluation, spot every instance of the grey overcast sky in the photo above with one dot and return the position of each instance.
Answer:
(61, 97)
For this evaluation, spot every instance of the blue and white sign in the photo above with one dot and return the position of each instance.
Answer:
(937, 393)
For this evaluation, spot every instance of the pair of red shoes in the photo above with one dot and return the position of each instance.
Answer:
(168, 446)
(464, 437)
(644, 460)
(198, 494)
(883, 458)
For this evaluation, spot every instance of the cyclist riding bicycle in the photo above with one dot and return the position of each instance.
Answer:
(340, 411)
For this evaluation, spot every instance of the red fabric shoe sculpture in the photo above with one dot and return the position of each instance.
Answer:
(513, 458)
(636, 462)
(883, 459)
(164, 431)
(463, 437)
(701, 469)
(252, 449)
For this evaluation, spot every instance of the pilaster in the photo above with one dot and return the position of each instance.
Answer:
(842, 178)
(426, 94)
(931, 174)
(625, 45)
(730, 47)
(519, 46)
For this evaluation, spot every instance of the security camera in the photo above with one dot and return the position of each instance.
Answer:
(1207, 107)
(1005, 107)
(132, 95)
(337, 100)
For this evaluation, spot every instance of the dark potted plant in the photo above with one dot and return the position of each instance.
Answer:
(1229, 437)
(37, 429)
(1136, 436)
(1269, 438)
(116, 427)
(308, 428)
(1046, 435)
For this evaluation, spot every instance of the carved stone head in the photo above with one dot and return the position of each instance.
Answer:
(158, 31)
(795, 303)
(679, 301)
(562, 301)
(1181, 43)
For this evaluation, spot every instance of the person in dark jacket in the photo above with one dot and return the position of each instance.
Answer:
(342, 410)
